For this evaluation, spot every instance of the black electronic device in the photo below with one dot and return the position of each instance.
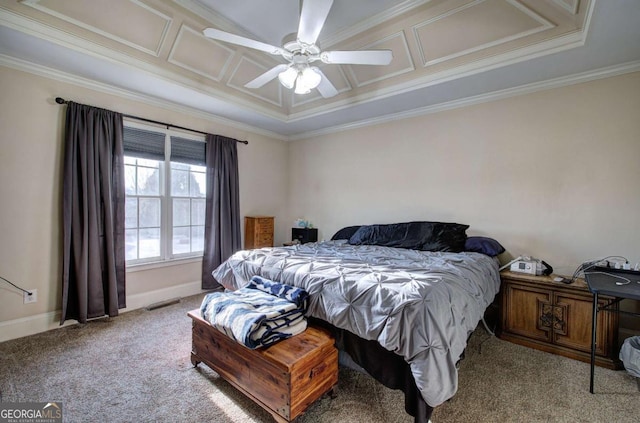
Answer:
(304, 235)
(621, 276)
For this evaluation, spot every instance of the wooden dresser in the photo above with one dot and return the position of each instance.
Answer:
(555, 317)
(258, 232)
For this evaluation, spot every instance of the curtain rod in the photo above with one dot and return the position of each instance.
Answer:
(61, 100)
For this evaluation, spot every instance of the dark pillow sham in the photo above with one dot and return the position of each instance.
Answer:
(425, 236)
(484, 245)
(345, 233)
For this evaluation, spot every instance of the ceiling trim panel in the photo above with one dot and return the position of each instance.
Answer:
(212, 17)
(359, 82)
(254, 92)
(151, 51)
(371, 22)
(544, 25)
(174, 49)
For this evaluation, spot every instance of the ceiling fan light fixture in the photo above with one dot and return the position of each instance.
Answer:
(288, 77)
(300, 49)
(307, 80)
(311, 77)
(301, 88)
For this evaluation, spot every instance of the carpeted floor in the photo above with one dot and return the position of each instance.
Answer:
(136, 368)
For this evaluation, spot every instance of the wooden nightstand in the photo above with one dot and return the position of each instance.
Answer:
(555, 317)
(258, 232)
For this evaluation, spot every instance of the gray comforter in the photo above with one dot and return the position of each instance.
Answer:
(420, 305)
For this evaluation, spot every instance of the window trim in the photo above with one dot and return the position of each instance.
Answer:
(167, 258)
(149, 265)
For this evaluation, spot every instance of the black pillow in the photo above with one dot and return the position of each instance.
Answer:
(426, 236)
(345, 233)
(484, 245)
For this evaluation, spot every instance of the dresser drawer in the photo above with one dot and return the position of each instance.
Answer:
(258, 232)
(265, 224)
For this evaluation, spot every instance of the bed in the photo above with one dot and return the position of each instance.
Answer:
(402, 299)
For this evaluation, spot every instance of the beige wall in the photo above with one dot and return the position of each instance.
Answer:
(554, 174)
(30, 194)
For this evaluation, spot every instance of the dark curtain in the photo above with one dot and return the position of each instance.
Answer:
(93, 268)
(222, 215)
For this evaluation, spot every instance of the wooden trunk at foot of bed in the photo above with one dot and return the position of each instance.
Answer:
(284, 378)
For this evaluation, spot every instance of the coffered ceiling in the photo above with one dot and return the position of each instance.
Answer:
(445, 53)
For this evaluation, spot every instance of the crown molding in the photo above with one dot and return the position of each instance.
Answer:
(43, 31)
(48, 33)
(571, 8)
(43, 71)
(566, 42)
(606, 72)
(46, 72)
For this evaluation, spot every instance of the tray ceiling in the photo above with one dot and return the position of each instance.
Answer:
(444, 50)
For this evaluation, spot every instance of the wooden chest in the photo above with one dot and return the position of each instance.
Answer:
(258, 232)
(284, 378)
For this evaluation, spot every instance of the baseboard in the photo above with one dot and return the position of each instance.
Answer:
(145, 299)
(43, 322)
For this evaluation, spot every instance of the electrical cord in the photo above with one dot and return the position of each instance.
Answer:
(591, 264)
(11, 283)
(627, 281)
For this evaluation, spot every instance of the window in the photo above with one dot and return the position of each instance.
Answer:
(143, 209)
(165, 182)
(188, 202)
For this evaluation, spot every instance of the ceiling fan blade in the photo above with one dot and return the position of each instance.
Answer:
(312, 17)
(357, 57)
(325, 88)
(266, 77)
(216, 34)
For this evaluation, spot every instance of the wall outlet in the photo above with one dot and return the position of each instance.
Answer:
(28, 299)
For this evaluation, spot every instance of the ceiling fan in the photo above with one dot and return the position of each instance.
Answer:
(303, 51)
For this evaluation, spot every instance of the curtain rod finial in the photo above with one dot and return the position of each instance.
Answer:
(60, 100)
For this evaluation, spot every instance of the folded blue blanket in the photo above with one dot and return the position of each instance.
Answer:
(259, 314)
(298, 296)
